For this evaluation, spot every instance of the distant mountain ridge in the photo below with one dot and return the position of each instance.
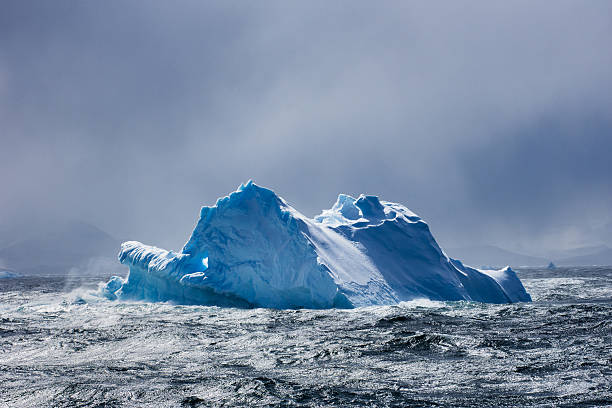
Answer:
(490, 255)
(493, 256)
(587, 256)
(56, 247)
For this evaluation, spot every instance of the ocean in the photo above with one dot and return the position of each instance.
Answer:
(63, 346)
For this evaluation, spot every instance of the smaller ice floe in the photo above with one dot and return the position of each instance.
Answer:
(111, 287)
(252, 249)
(6, 274)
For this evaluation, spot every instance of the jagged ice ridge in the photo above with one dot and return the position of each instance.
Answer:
(252, 249)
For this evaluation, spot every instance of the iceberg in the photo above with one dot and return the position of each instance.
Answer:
(252, 249)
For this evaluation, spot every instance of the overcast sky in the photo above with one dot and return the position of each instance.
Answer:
(492, 120)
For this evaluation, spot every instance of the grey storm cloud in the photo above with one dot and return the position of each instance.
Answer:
(491, 120)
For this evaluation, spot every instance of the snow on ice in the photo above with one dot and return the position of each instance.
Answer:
(252, 249)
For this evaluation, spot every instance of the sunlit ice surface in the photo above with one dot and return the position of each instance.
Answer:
(62, 344)
(264, 253)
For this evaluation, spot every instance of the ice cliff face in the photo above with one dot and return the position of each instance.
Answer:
(254, 250)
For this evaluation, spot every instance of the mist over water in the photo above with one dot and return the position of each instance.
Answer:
(60, 345)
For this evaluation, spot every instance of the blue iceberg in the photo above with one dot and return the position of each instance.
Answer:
(252, 249)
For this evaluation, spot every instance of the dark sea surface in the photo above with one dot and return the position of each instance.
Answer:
(62, 346)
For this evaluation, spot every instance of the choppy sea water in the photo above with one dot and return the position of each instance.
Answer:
(60, 346)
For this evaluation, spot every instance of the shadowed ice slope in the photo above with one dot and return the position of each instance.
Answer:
(254, 250)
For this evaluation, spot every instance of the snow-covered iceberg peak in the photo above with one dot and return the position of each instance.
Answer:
(251, 249)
